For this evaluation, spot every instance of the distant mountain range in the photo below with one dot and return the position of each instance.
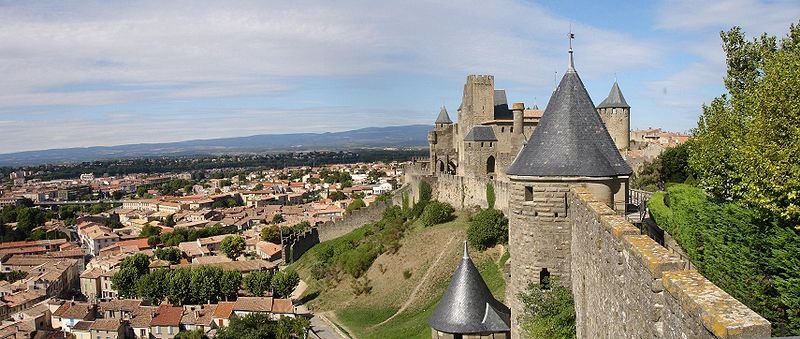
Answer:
(372, 137)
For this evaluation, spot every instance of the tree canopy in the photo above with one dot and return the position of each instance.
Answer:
(747, 142)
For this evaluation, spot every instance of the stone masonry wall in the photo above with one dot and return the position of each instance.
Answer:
(468, 192)
(337, 228)
(627, 286)
(539, 238)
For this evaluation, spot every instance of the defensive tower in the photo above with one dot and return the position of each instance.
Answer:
(570, 147)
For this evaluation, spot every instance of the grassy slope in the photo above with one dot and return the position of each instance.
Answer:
(419, 250)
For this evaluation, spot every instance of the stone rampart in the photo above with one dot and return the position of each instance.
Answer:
(469, 192)
(337, 228)
(628, 286)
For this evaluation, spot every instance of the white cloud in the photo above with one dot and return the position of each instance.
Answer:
(86, 54)
(755, 16)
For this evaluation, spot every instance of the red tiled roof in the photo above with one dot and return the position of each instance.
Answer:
(224, 309)
(282, 306)
(167, 315)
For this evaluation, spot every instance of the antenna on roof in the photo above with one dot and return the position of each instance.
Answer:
(571, 66)
(555, 81)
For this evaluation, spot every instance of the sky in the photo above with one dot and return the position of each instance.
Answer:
(89, 73)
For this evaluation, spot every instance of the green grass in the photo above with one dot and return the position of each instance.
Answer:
(360, 315)
(413, 322)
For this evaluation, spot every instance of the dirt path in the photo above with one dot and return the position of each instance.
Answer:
(421, 283)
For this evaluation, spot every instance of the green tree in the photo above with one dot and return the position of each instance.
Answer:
(194, 334)
(152, 287)
(149, 231)
(179, 286)
(746, 144)
(124, 281)
(140, 262)
(233, 246)
(271, 234)
(355, 205)
(169, 221)
(487, 228)
(337, 195)
(548, 311)
(278, 218)
(257, 282)
(284, 282)
(230, 283)
(436, 212)
(258, 187)
(260, 325)
(171, 254)
(206, 284)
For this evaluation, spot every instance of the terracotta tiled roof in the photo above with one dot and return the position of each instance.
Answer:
(73, 310)
(82, 325)
(224, 309)
(108, 324)
(253, 304)
(284, 306)
(167, 315)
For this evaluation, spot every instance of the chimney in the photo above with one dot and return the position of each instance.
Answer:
(519, 109)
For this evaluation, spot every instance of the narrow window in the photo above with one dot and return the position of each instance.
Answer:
(544, 278)
(502, 129)
(511, 129)
(528, 193)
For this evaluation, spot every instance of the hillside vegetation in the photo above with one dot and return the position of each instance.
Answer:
(410, 277)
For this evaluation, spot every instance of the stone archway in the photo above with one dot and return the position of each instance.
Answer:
(451, 168)
(440, 166)
(490, 165)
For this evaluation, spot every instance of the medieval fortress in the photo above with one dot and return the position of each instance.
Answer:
(559, 176)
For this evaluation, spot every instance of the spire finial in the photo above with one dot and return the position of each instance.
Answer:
(466, 253)
(571, 67)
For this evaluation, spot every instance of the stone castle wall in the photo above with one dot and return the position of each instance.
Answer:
(295, 246)
(337, 228)
(627, 286)
(468, 192)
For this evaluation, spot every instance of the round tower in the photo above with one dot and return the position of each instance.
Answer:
(468, 309)
(616, 115)
(570, 147)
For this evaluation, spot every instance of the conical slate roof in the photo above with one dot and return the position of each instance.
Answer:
(468, 306)
(570, 140)
(443, 118)
(614, 99)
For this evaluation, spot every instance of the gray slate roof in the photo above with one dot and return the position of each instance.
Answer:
(501, 111)
(570, 140)
(443, 118)
(614, 99)
(480, 133)
(468, 306)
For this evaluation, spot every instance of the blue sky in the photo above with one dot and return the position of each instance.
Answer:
(84, 73)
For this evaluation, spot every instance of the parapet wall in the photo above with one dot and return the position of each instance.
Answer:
(628, 286)
(337, 228)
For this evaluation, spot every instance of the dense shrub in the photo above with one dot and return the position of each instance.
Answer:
(548, 311)
(752, 257)
(487, 228)
(437, 212)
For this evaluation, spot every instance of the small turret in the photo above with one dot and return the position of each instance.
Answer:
(519, 111)
(468, 307)
(444, 118)
(616, 115)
